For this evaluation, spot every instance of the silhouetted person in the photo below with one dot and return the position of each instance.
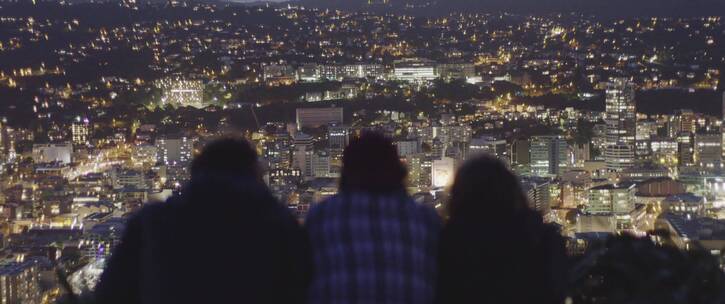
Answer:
(372, 243)
(225, 239)
(494, 248)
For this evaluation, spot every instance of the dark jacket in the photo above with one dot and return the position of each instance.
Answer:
(501, 260)
(220, 241)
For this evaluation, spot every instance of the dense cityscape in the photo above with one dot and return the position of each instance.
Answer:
(613, 125)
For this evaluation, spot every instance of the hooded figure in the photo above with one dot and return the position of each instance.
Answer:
(224, 239)
(495, 248)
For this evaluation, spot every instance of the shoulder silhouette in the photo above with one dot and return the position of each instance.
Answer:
(223, 239)
(494, 248)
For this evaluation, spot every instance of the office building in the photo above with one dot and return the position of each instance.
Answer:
(277, 151)
(520, 152)
(611, 199)
(415, 70)
(52, 153)
(279, 74)
(20, 282)
(454, 71)
(619, 156)
(538, 192)
(338, 137)
(488, 145)
(302, 156)
(317, 117)
(408, 147)
(81, 131)
(722, 127)
(684, 204)
(685, 149)
(321, 165)
(100, 239)
(126, 178)
(374, 71)
(708, 151)
(443, 171)
(688, 232)
(419, 171)
(174, 150)
(621, 121)
(308, 73)
(179, 93)
(175, 153)
(548, 155)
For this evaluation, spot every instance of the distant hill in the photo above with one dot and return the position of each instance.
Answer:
(609, 8)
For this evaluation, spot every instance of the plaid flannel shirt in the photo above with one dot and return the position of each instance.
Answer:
(373, 249)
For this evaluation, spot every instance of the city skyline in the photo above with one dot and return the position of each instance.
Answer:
(611, 124)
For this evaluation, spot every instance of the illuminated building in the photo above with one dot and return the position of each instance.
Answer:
(708, 151)
(80, 131)
(619, 156)
(722, 127)
(684, 204)
(453, 71)
(122, 178)
(321, 164)
(646, 130)
(353, 71)
(144, 154)
(683, 122)
(279, 74)
(419, 171)
(172, 151)
(689, 232)
(338, 137)
(538, 192)
(317, 117)
(520, 154)
(415, 70)
(181, 93)
(582, 153)
(175, 152)
(308, 73)
(100, 239)
(407, 147)
(644, 171)
(303, 155)
(616, 201)
(621, 120)
(277, 151)
(490, 146)
(663, 147)
(443, 171)
(20, 282)
(611, 198)
(659, 187)
(548, 155)
(452, 133)
(50, 153)
(374, 71)
(685, 149)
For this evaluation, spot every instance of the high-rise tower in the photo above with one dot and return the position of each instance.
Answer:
(722, 127)
(621, 121)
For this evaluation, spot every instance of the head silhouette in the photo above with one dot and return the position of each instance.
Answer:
(371, 164)
(228, 157)
(484, 185)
